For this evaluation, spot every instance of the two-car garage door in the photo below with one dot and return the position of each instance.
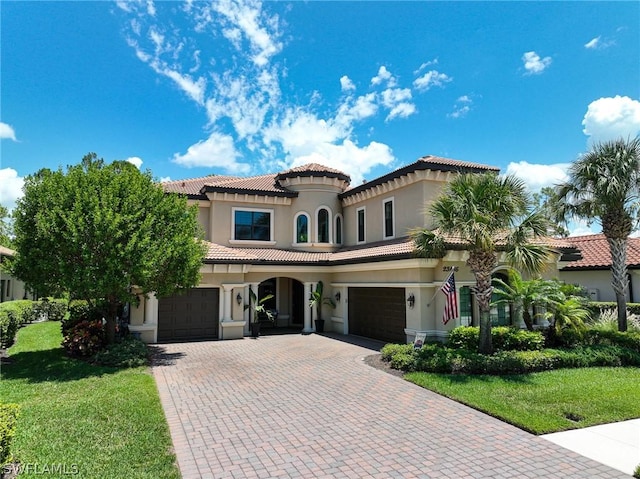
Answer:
(378, 313)
(192, 315)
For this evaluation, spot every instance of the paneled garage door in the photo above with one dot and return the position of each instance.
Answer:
(378, 313)
(189, 316)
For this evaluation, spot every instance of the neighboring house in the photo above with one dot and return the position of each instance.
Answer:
(282, 233)
(10, 287)
(593, 271)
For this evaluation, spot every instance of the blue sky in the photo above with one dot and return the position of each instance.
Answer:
(188, 89)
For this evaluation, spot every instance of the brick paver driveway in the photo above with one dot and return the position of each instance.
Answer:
(307, 406)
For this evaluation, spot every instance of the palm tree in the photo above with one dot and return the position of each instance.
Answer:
(487, 213)
(604, 185)
(523, 294)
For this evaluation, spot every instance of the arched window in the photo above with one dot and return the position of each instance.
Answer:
(323, 225)
(302, 228)
(338, 229)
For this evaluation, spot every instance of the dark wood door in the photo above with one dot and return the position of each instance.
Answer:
(192, 315)
(378, 313)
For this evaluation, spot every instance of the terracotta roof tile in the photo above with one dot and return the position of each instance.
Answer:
(259, 184)
(437, 161)
(596, 255)
(313, 169)
(193, 186)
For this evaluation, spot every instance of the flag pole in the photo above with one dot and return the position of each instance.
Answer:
(453, 270)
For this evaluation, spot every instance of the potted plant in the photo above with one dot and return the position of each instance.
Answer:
(316, 301)
(257, 311)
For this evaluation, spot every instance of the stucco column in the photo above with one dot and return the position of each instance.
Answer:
(151, 309)
(226, 300)
(308, 328)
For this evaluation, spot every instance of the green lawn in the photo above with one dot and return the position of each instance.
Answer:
(102, 422)
(543, 402)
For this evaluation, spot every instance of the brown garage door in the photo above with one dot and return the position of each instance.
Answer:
(189, 316)
(378, 313)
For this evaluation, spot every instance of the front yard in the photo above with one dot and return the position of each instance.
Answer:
(96, 422)
(548, 401)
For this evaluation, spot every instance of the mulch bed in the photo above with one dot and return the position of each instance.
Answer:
(375, 361)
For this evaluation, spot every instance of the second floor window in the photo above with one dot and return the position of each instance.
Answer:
(302, 229)
(361, 229)
(388, 218)
(323, 226)
(252, 225)
(338, 230)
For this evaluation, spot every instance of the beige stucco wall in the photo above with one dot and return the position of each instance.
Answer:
(600, 280)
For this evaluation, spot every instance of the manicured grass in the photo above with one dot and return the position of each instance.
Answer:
(542, 402)
(104, 422)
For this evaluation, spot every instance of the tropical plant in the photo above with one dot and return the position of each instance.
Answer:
(257, 307)
(487, 213)
(522, 294)
(318, 299)
(604, 186)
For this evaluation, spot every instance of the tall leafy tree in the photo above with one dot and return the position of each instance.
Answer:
(104, 232)
(604, 186)
(5, 227)
(545, 201)
(487, 213)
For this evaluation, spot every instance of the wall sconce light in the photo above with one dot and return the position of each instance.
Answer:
(337, 296)
(411, 300)
(239, 299)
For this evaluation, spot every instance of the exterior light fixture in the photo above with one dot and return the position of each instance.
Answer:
(337, 296)
(411, 300)
(239, 299)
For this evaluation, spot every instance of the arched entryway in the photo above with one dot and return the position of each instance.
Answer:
(287, 305)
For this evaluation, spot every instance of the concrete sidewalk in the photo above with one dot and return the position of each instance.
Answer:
(616, 445)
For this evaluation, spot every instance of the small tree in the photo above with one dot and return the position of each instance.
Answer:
(522, 294)
(104, 233)
(318, 299)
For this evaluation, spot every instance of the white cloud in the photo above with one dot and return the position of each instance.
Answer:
(534, 64)
(10, 187)
(430, 79)
(383, 76)
(151, 8)
(217, 151)
(7, 132)
(537, 176)
(609, 118)
(461, 107)
(579, 227)
(134, 160)
(346, 84)
(598, 43)
(425, 65)
(165, 179)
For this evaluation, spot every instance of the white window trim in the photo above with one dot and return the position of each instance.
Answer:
(329, 225)
(335, 229)
(295, 227)
(364, 219)
(393, 218)
(232, 239)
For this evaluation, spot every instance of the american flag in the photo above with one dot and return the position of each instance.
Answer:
(451, 300)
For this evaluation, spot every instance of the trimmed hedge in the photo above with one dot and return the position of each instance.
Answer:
(8, 420)
(596, 307)
(440, 359)
(503, 339)
(14, 314)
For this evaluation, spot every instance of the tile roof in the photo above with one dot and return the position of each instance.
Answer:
(596, 255)
(265, 184)
(193, 186)
(313, 169)
(428, 162)
(398, 248)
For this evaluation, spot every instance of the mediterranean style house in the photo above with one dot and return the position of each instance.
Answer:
(283, 233)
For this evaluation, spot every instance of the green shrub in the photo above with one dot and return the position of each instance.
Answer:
(8, 328)
(503, 339)
(84, 339)
(53, 309)
(441, 359)
(629, 339)
(391, 349)
(128, 353)
(12, 315)
(636, 472)
(80, 310)
(597, 307)
(8, 421)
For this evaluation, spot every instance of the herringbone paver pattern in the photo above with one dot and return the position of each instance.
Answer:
(308, 407)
